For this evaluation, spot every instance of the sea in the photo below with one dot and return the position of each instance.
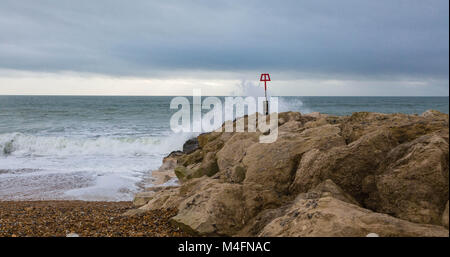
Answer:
(101, 148)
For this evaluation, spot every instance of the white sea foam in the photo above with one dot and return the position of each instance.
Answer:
(18, 144)
(102, 168)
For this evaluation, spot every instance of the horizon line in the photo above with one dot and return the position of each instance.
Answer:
(238, 95)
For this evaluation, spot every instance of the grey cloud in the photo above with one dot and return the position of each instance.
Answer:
(146, 38)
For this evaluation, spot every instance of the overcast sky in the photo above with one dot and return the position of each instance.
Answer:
(169, 47)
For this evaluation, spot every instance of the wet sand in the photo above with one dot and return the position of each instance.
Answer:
(86, 219)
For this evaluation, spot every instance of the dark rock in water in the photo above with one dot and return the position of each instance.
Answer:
(191, 145)
(174, 154)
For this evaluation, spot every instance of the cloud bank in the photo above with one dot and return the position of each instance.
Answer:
(296, 40)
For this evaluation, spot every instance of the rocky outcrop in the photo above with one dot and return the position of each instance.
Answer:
(358, 175)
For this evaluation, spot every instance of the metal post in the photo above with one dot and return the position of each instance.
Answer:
(266, 103)
(265, 77)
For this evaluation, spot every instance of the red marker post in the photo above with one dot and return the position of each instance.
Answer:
(265, 77)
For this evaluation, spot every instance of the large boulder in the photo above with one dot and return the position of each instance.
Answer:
(274, 165)
(329, 216)
(346, 165)
(412, 182)
(275, 208)
(229, 158)
(215, 209)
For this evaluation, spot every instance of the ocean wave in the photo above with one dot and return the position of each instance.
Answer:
(20, 144)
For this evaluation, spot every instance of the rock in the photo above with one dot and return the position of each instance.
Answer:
(159, 177)
(274, 165)
(328, 188)
(256, 224)
(216, 209)
(133, 212)
(413, 181)
(445, 216)
(315, 115)
(328, 216)
(185, 173)
(190, 146)
(182, 173)
(372, 235)
(72, 235)
(213, 141)
(166, 198)
(209, 165)
(232, 153)
(238, 174)
(169, 163)
(174, 155)
(346, 165)
(433, 114)
(142, 198)
(160, 188)
(191, 158)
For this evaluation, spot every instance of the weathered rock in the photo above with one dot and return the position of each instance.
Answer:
(264, 217)
(403, 127)
(159, 177)
(142, 198)
(174, 155)
(209, 165)
(166, 198)
(413, 181)
(190, 145)
(188, 159)
(232, 153)
(435, 115)
(328, 188)
(186, 173)
(274, 165)
(445, 216)
(216, 209)
(212, 142)
(169, 163)
(331, 217)
(346, 165)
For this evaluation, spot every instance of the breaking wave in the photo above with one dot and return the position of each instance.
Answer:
(19, 144)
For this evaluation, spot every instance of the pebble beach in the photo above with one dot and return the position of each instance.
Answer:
(83, 219)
